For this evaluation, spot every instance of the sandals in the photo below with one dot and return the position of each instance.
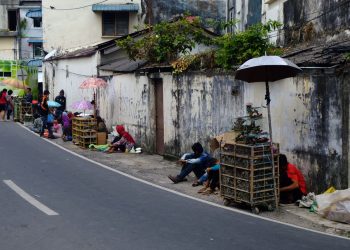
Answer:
(196, 184)
(202, 190)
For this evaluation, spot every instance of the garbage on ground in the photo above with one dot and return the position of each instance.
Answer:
(335, 206)
(134, 151)
(307, 201)
(330, 190)
(98, 147)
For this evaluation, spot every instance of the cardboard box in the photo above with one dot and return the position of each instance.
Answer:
(227, 137)
(101, 138)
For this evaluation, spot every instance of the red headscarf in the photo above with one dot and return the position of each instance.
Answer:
(121, 131)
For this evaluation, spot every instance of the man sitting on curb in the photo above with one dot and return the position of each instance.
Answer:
(196, 162)
(292, 182)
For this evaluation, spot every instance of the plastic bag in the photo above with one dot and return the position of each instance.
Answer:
(340, 211)
(330, 190)
(335, 206)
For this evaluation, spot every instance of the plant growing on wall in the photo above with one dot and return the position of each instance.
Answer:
(347, 57)
(22, 26)
(171, 42)
(166, 40)
(236, 48)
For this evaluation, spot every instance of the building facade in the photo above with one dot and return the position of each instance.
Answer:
(69, 25)
(9, 27)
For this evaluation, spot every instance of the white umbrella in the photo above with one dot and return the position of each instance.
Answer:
(267, 69)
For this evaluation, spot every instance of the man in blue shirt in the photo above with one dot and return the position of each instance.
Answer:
(196, 162)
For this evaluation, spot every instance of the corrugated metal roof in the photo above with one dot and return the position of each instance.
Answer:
(123, 65)
(320, 54)
(85, 52)
(34, 13)
(116, 7)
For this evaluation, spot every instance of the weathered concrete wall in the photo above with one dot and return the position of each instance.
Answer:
(163, 10)
(310, 119)
(247, 12)
(310, 113)
(127, 101)
(201, 107)
(306, 21)
(310, 116)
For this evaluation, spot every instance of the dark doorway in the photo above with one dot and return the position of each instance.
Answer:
(158, 83)
(12, 20)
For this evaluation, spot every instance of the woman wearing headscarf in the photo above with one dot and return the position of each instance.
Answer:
(123, 142)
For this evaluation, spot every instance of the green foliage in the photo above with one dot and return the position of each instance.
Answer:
(23, 24)
(347, 57)
(218, 24)
(171, 42)
(166, 40)
(236, 48)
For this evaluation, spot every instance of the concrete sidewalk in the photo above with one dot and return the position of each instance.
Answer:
(155, 169)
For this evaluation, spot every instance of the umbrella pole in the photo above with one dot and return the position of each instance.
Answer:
(268, 100)
(95, 105)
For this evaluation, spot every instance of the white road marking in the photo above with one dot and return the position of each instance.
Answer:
(29, 198)
(181, 194)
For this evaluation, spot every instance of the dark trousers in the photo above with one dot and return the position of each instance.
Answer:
(288, 196)
(67, 131)
(214, 179)
(9, 112)
(198, 170)
(46, 125)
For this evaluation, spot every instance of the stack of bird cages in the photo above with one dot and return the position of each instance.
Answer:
(246, 175)
(17, 109)
(84, 131)
(23, 110)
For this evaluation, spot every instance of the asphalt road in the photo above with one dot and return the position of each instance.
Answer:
(99, 209)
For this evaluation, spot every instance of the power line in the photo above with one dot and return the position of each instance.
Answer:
(76, 8)
(70, 72)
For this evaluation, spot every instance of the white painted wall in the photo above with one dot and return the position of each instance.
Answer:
(68, 74)
(7, 46)
(69, 29)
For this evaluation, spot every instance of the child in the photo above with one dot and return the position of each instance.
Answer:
(213, 181)
(57, 129)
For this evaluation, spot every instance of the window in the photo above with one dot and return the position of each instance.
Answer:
(12, 20)
(37, 49)
(5, 74)
(115, 23)
(37, 22)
